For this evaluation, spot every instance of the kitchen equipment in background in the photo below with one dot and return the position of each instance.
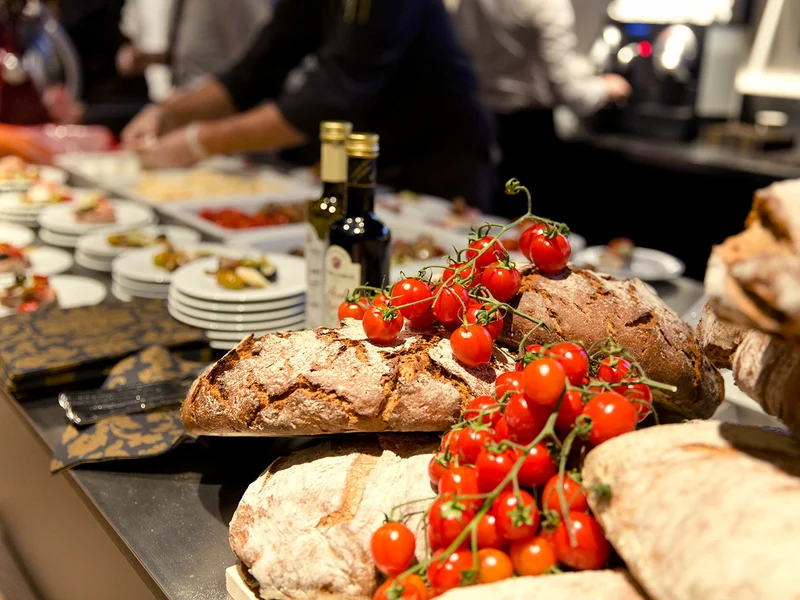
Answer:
(681, 60)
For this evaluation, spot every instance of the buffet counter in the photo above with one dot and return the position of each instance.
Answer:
(168, 516)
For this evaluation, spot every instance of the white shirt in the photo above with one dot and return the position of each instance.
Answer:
(146, 24)
(524, 54)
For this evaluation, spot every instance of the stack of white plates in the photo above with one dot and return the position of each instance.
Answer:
(228, 316)
(94, 252)
(60, 228)
(134, 274)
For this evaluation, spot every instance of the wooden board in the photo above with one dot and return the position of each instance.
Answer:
(237, 588)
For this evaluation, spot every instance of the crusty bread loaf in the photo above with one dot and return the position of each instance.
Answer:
(335, 381)
(582, 305)
(703, 510)
(597, 585)
(719, 339)
(303, 528)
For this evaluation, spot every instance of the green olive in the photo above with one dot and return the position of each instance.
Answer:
(228, 279)
(161, 259)
(249, 262)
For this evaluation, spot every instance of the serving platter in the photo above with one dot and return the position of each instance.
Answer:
(647, 264)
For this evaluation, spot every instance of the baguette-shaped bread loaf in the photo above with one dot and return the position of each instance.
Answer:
(335, 381)
(703, 510)
(303, 528)
(597, 585)
(582, 305)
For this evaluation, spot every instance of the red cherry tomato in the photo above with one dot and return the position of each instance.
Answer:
(495, 253)
(502, 282)
(574, 360)
(544, 381)
(414, 293)
(471, 442)
(459, 482)
(452, 572)
(527, 237)
(380, 330)
(477, 314)
(639, 395)
(493, 467)
(380, 300)
(489, 406)
(550, 255)
(351, 310)
(537, 468)
(501, 430)
(493, 565)
(446, 522)
(591, 549)
(424, 322)
(516, 515)
(450, 441)
(472, 345)
(530, 349)
(438, 466)
(488, 536)
(573, 494)
(469, 276)
(410, 587)
(612, 414)
(613, 369)
(533, 556)
(392, 547)
(451, 304)
(525, 420)
(511, 381)
(570, 409)
(28, 307)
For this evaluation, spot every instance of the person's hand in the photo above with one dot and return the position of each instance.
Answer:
(617, 87)
(61, 106)
(171, 151)
(144, 128)
(130, 61)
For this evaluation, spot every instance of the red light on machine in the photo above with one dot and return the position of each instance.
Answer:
(645, 49)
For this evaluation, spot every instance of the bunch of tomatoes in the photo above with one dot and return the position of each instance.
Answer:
(471, 299)
(509, 493)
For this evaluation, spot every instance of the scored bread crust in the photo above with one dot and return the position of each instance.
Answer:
(335, 381)
(702, 510)
(302, 530)
(582, 305)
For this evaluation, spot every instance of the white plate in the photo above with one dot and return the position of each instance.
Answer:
(126, 291)
(96, 243)
(60, 218)
(72, 292)
(227, 317)
(120, 294)
(151, 288)
(193, 280)
(236, 308)
(236, 326)
(139, 264)
(58, 239)
(32, 222)
(647, 264)
(16, 235)
(91, 263)
(46, 173)
(11, 203)
(44, 261)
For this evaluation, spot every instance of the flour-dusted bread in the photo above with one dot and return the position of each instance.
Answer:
(303, 528)
(597, 585)
(703, 510)
(582, 305)
(335, 381)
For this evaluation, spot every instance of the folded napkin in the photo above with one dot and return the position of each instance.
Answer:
(76, 348)
(128, 436)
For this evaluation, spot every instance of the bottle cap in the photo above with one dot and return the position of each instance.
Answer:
(334, 131)
(363, 145)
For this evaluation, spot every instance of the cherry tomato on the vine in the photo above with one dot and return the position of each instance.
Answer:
(472, 345)
(414, 293)
(516, 515)
(489, 406)
(410, 587)
(530, 349)
(574, 360)
(382, 330)
(502, 282)
(352, 310)
(613, 369)
(438, 466)
(533, 556)
(493, 467)
(510, 381)
(493, 565)
(495, 253)
(459, 482)
(470, 276)
(392, 546)
(525, 420)
(612, 414)
(545, 380)
(380, 300)
(501, 430)
(451, 573)
(570, 409)
(591, 550)
(639, 395)
(573, 494)
(449, 441)
(471, 442)
(550, 255)
(527, 237)
(487, 534)
(446, 521)
(493, 324)
(537, 468)
(451, 304)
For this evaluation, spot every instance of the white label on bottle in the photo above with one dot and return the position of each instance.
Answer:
(315, 278)
(342, 276)
(333, 162)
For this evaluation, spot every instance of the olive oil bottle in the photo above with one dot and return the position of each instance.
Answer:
(359, 244)
(322, 213)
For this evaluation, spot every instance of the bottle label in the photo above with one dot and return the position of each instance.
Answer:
(315, 278)
(333, 162)
(342, 276)
(361, 172)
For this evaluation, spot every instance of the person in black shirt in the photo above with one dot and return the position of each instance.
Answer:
(391, 67)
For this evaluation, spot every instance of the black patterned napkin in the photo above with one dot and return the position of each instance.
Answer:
(128, 436)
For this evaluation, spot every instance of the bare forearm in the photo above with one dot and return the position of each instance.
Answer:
(262, 128)
(207, 103)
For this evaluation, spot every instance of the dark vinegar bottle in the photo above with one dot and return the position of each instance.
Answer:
(359, 244)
